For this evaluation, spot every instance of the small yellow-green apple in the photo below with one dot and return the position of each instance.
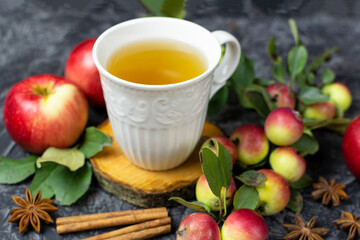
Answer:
(339, 94)
(284, 126)
(286, 162)
(320, 111)
(198, 226)
(274, 195)
(205, 195)
(229, 145)
(244, 224)
(351, 147)
(45, 111)
(252, 144)
(281, 94)
(80, 69)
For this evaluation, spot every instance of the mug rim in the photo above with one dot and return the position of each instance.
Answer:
(182, 84)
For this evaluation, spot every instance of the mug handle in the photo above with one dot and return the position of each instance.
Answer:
(229, 62)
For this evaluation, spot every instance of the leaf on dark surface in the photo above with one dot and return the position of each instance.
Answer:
(310, 95)
(296, 202)
(246, 197)
(252, 178)
(304, 182)
(338, 124)
(14, 171)
(294, 31)
(68, 157)
(153, 6)
(244, 73)
(198, 206)
(174, 8)
(306, 144)
(297, 59)
(272, 49)
(218, 102)
(319, 60)
(94, 141)
(279, 71)
(217, 170)
(67, 186)
(264, 81)
(327, 76)
(260, 99)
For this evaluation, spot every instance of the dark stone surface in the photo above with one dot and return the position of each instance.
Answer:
(37, 36)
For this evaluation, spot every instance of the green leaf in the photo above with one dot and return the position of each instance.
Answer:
(304, 182)
(252, 178)
(307, 144)
(39, 182)
(174, 8)
(338, 124)
(198, 206)
(153, 6)
(244, 73)
(310, 95)
(218, 102)
(272, 49)
(260, 99)
(319, 60)
(246, 197)
(294, 31)
(70, 186)
(296, 202)
(69, 157)
(264, 81)
(94, 141)
(279, 71)
(297, 59)
(67, 186)
(310, 78)
(14, 171)
(327, 76)
(217, 170)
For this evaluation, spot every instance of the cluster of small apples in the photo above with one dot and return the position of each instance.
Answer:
(47, 110)
(249, 145)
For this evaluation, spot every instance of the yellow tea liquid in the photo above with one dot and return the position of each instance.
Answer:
(156, 62)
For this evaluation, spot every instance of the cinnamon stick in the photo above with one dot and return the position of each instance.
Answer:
(144, 234)
(132, 228)
(103, 222)
(97, 216)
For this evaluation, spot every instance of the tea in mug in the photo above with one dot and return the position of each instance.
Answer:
(157, 62)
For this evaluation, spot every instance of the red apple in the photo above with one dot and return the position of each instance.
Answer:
(229, 145)
(283, 126)
(81, 70)
(339, 94)
(282, 95)
(244, 224)
(274, 195)
(205, 195)
(286, 162)
(351, 147)
(320, 111)
(198, 226)
(45, 110)
(252, 144)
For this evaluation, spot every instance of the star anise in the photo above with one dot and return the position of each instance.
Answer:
(346, 221)
(31, 210)
(329, 191)
(303, 231)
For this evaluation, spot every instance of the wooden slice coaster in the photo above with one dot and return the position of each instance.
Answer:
(144, 188)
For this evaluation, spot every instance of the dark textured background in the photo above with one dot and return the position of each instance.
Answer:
(36, 37)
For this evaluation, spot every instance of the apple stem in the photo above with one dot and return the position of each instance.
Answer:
(43, 90)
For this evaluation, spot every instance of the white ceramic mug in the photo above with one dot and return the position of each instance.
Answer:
(158, 126)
